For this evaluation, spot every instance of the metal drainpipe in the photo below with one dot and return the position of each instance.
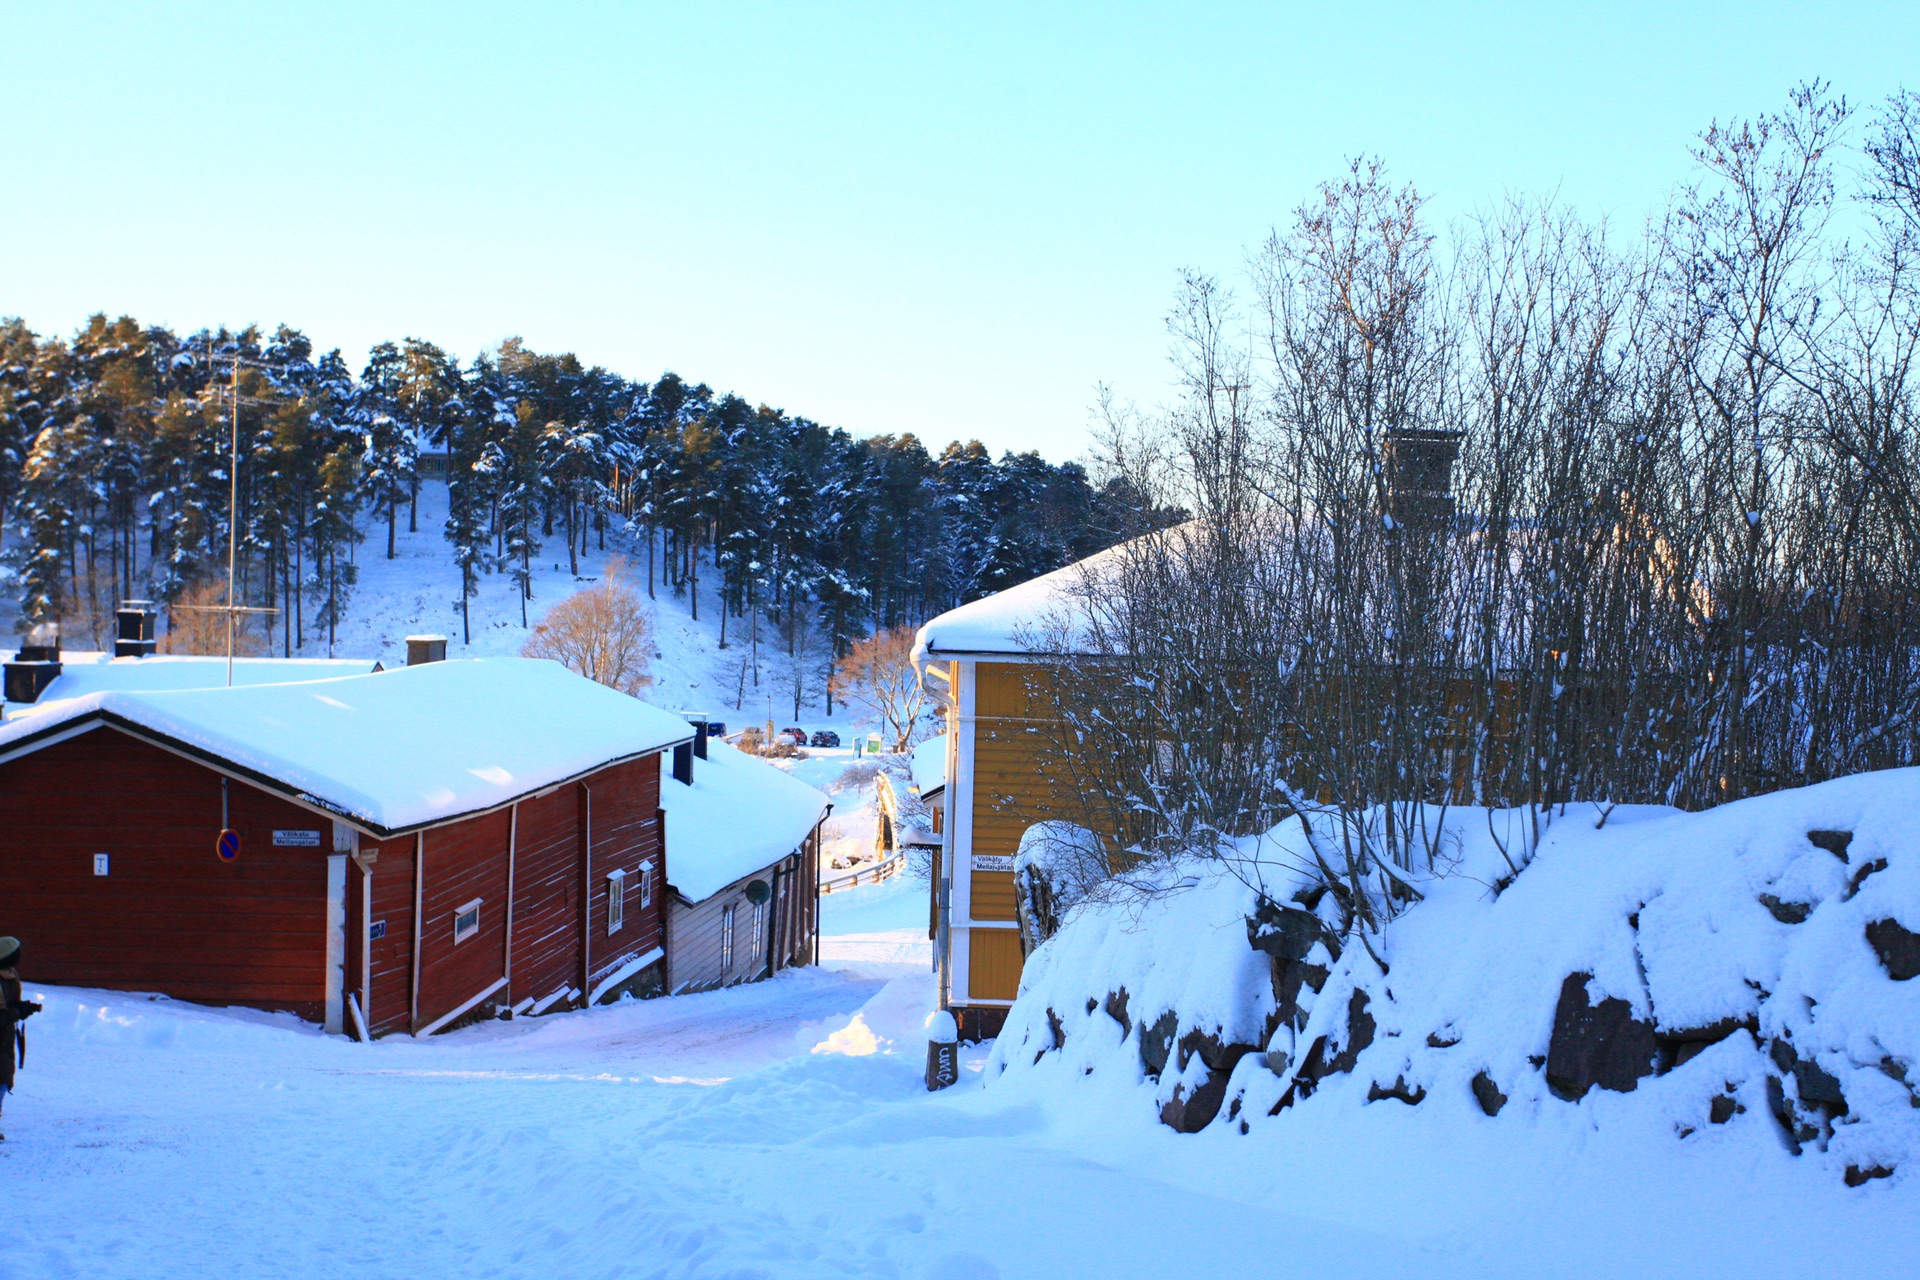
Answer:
(773, 916)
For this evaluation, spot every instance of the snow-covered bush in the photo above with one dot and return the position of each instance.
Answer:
(1055, 867)
(1752, 965)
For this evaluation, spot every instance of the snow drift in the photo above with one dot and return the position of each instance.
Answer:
(1748, 967)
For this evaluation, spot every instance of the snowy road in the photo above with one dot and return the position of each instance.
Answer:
(775, 1130)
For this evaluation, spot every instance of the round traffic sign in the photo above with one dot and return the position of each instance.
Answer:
(228, 845)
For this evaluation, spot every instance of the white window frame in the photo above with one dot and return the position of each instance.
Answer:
(462, 932)
(646, 883)
(759, 923)
(726, 937)
(616, 901)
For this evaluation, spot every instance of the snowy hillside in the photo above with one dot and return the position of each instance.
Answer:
(419, 591)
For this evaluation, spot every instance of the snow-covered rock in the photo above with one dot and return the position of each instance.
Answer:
(1749, 966)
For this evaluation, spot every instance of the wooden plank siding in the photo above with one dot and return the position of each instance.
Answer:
(388, 1005)
(994, 963)
(546, 896)
(1010, 792)
(462, 862)
(789, 926)
(169, 915)
(626, 825)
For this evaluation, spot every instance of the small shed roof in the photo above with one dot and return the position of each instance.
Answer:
(740, 814)
(391, 752)
(85, 673)
(930, 766)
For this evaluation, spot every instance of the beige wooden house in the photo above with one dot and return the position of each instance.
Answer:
(743, 867)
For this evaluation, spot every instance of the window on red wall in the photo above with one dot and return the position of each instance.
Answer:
(466, 921)
(616, 901)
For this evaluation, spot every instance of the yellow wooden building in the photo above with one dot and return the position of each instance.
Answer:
(977, 660)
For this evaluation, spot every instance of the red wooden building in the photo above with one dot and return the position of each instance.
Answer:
(409, 848)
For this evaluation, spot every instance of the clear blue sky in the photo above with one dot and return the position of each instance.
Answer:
(952, 220)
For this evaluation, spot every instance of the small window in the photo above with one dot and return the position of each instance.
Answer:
(616, 900)
(466, 921)
(646, 883)
(759, 917)
(726, 936)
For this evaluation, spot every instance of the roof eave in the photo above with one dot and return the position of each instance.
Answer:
(28, 743)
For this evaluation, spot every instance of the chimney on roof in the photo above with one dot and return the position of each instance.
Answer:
(42, 644)
(135, 620)
(1420, 474)
(26, 681)
(35, 666)
(421, 649)
(683, 763)
(698, 719)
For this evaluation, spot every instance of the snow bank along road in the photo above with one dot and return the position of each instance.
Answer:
(774, 1130)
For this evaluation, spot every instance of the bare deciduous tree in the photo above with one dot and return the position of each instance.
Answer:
(1559, 520)
(877, 676)
(603, 632)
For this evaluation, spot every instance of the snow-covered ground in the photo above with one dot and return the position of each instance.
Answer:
(781, 1130)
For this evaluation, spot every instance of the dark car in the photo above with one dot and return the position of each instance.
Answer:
(825, 738)
(716, 728)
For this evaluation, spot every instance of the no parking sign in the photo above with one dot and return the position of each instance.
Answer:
(228, 845)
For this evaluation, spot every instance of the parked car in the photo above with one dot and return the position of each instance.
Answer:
(824, 738)
(798, 735)
(716, 728)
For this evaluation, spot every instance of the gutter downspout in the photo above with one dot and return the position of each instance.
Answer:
(943, 883)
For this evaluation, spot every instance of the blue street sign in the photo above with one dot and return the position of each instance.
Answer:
(228, 846)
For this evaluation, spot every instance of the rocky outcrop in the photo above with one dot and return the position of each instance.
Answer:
(1898, 948)
(1597, 1044)
(1399, 1091)
(1786, 912)
(1834, 842)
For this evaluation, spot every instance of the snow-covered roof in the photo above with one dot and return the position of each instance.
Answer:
(390, 752)
(85, 673)
(930, 766)
(1011, 621)
(740, 815)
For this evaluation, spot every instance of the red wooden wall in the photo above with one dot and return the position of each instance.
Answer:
(626, 832)
(469, 859)
(170, 915)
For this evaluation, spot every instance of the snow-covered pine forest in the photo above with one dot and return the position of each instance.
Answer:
(114, 462)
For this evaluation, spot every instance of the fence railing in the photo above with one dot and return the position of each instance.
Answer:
(871, 874)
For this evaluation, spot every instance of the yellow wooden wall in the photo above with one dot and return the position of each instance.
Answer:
(1011, 792)
(993, 972)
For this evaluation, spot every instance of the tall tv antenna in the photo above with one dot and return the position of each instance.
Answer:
(231, 610)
